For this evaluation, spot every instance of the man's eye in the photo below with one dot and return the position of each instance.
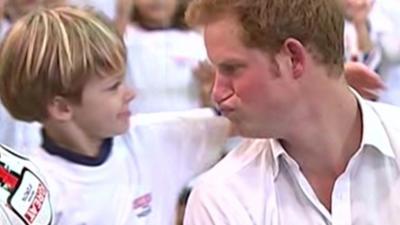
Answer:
(228, 69)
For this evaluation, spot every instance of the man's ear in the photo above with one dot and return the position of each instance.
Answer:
(59, 108)
(296, 53)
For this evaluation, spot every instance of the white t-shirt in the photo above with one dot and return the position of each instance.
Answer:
(390, 68)
(4, 27)
(108, 7)
(160, 65)
(139, 181)
(18, 135)
(259, 183)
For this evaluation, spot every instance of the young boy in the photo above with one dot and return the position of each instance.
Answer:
(69, 76)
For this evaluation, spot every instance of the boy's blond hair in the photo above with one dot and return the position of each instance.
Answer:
(53, 52)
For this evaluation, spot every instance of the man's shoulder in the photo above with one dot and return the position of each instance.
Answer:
(388, 114)
(249, 160)
(389, 117)
(237, 190)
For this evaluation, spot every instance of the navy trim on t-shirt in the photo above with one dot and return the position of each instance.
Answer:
(54, 149)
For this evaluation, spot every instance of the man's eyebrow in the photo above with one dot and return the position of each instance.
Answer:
(230, 61)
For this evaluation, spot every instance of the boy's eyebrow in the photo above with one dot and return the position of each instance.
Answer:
(113, 78)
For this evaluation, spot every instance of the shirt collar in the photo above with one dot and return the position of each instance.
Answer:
(52, 148)
(277, 152)
(373, 134)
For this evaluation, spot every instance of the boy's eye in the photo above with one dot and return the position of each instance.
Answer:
(115, 85)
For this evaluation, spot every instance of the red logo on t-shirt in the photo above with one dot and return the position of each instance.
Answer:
(37, 204)
(142, 205)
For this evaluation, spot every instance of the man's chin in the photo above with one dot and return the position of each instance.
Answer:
(248, 131)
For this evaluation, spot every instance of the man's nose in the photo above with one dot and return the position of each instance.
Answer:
(222, 89)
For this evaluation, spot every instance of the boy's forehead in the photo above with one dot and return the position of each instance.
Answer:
(105, 77)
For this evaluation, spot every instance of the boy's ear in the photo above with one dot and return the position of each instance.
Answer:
(59, 109)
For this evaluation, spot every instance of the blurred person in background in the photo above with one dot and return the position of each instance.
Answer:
(4, 24)
(162, 54)
(116, 10)
(361, 39)
(390, 68)
(108, 7)
(372, 38)
(15, 9)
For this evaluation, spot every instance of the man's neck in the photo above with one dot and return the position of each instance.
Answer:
(327, 140)
(330, 134)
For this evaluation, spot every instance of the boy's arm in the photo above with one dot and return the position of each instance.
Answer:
(193, 139)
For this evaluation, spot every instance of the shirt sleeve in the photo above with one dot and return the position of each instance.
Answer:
(192, 140)
(179, 146)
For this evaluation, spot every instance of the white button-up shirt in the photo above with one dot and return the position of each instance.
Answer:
(261, 184)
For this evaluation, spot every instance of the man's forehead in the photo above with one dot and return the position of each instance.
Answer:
(223, 31)
(224, 23)
(223, 43)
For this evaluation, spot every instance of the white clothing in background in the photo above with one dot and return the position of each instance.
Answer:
(108, 7)
(18, 135)
(384, 23)
(4, 27)
(390, 69)
(160, 65)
